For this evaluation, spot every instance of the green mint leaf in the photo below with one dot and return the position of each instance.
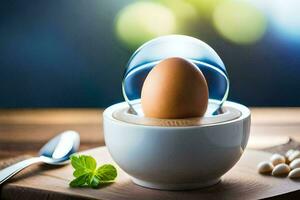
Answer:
(79, 181)
(83, 164)
(106, 173)
(76, 162)
(95, 182)
(79, 172)
(90, 162)
(87, 174)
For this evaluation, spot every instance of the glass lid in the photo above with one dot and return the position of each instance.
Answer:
(192, 49)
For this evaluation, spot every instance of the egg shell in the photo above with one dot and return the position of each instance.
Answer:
(174, 89)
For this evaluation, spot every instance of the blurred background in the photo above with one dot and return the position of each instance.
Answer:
(69, 53)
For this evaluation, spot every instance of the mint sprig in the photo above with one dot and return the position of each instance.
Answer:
(86, 172)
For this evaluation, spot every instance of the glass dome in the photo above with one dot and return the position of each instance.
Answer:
(192, 49)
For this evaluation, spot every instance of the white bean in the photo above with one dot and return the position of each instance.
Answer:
(295, 163)
(264, 167)
(289, 152)
(281, 169)
(294, 155)
(295, 173)
(277, 159)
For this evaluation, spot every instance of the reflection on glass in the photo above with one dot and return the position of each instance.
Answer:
(198, 52)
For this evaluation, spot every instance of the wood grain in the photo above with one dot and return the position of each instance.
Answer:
(25, 131)
(242, 181)
(50, 116)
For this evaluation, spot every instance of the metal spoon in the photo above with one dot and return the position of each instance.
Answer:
(55, 152)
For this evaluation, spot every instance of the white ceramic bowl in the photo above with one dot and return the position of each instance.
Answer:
(176, 158)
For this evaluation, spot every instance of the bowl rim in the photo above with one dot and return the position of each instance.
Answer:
(108, 115)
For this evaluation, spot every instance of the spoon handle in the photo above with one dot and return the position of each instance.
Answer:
(10, 171)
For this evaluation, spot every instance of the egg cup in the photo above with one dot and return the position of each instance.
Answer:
(177, 156)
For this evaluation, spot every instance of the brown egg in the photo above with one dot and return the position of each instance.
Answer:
(174, 89)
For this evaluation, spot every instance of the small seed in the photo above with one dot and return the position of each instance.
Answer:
(295, 173)
(281, 169)
(289, 152)
(295, 163)
(294, 155)
(264, 167)
(277, 159)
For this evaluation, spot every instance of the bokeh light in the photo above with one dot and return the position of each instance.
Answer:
(205, 8)
(239, 22)
(185, 13)
(285, 17)
(142, 21)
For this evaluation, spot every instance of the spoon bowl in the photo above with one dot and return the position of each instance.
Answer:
(57, 151)
(59, 148)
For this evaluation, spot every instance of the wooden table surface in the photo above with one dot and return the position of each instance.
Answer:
(25, 131)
